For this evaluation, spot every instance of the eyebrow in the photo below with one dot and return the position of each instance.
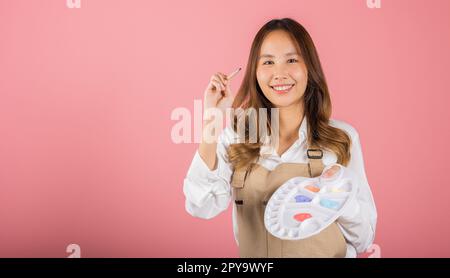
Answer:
(272, 56)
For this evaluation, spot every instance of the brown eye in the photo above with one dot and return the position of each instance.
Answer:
(267, 63)
(292, 61)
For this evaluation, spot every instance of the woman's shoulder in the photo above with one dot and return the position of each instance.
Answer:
(348, 128)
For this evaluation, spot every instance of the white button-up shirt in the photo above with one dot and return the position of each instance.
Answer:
(208, 193)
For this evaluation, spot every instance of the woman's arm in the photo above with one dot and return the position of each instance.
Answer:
(207, 150)
(208, 192)
(207, 183)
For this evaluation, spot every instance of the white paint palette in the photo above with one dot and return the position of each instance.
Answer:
(303, 207)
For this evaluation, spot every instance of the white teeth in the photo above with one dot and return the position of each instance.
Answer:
(282, 88)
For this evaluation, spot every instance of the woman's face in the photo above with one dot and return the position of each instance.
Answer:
(280, 71)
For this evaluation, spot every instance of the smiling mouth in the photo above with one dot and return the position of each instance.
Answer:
(282, 89)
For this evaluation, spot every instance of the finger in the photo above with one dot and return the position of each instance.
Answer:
(227, 91)
(216, 85)
(219, 88)
(217, 79)
(222, 77)
(211, 85)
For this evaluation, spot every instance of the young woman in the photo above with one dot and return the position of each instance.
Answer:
(283, 72)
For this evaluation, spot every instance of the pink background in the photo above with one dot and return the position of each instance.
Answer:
(86, 96)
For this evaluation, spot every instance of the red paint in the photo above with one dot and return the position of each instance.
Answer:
(302, 216)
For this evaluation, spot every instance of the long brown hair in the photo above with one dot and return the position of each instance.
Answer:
(317, 103)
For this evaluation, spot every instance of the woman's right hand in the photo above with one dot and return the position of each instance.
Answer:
(218, 93)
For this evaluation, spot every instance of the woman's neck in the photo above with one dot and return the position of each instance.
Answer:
(290, 121)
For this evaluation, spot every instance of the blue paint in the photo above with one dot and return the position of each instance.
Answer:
(302, 199)
(329, 204)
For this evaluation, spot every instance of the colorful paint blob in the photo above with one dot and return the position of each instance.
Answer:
(312, 188)
(302, 199)
(331, 172)
(302, 216)
(329, 204)
(336, 190)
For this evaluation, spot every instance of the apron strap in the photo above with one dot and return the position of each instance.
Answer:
(315, 155)
(240, 175)
(238, 178)
(238, 181)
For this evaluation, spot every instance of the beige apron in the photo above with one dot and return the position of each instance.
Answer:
(253, 187)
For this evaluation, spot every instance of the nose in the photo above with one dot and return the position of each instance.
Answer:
(280, 77)
(280, 73)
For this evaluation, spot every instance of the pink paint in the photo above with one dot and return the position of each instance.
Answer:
(331, 171)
